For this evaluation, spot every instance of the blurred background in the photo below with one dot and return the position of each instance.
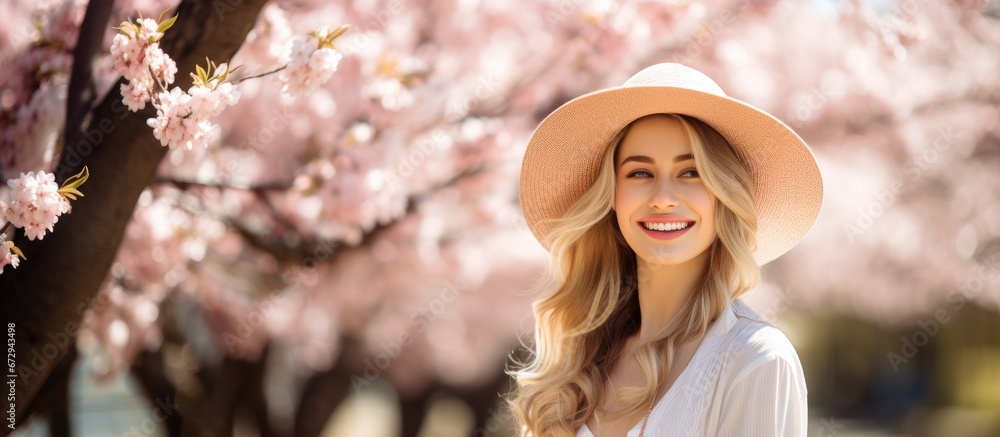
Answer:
(354, 262)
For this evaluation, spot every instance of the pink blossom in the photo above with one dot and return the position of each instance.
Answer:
(182, 118)
(148, 32)
(160, 64)
(310, 66)
(206, 102)
(227, 94)
(172, 125)
(134, 95)
(143, 63)
(128, 55)
(35, 203)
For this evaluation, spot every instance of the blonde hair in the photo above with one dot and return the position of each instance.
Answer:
(581, 327)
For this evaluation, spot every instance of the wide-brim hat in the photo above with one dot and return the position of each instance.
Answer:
(564, 154)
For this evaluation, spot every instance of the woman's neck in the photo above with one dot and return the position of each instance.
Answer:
(663, 291)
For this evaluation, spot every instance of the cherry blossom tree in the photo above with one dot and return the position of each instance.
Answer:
(41, 299)
(342, 208)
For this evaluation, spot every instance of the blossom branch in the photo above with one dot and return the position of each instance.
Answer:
(36, 204)
(266, 73)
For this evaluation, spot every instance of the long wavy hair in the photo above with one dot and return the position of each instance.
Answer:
(581, 328)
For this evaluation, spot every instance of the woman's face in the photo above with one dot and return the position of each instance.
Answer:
(657, 184)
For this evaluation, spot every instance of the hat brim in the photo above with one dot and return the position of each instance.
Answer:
(563, 157)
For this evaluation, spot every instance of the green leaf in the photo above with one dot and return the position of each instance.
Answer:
(202, 74)
(74, 182)
(166, 24)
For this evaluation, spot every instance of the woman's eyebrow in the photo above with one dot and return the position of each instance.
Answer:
(648, 160)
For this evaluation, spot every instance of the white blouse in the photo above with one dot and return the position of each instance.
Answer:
(745, 379)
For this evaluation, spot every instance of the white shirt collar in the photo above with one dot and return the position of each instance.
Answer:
(725, 321)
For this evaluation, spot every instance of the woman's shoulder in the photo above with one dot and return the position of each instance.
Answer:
(753, 341)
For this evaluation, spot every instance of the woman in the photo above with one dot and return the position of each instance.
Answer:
(657, 222)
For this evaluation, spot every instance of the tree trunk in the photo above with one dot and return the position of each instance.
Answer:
(149, 370)
(52, 403)
(44, 299)
(324, 391)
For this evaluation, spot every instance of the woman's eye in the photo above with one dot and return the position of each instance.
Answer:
(693, 171)
(636, 172)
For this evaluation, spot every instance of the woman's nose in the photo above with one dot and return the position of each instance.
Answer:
(665, 196)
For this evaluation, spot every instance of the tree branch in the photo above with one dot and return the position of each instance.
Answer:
(82, 89)
(309, 247)
(187, 184)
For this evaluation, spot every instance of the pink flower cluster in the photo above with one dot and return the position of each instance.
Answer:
(36, 203)
(313, 62)
(138, 57)
(182, 118)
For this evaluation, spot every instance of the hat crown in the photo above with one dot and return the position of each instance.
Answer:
(674, 75)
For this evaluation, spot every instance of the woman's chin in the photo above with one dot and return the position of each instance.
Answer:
(657, 257)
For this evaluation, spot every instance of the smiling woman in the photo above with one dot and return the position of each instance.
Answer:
(653, 239)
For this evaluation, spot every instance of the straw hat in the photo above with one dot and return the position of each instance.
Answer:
(563, 155)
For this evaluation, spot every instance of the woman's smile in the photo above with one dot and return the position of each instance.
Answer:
(665, 228)
(666, 231)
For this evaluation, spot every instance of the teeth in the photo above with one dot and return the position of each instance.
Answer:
(666, 226)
